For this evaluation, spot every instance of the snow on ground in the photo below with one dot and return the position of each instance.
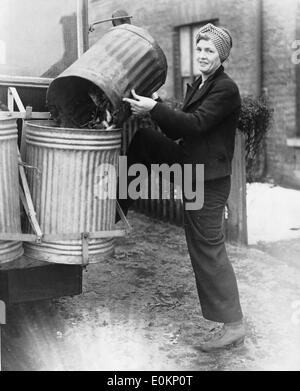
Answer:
(273, 213)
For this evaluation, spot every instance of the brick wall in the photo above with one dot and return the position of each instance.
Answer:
(279, 78)
(254, 63)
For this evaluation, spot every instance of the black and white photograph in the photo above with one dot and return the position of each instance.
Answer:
(150, 188)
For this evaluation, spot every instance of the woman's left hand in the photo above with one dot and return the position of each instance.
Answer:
(140, 104)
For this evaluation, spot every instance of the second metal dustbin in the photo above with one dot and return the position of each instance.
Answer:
(74, 170)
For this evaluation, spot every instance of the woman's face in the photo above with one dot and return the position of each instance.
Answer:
(207, 57)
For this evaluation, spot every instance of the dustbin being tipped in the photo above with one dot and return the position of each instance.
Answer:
(89, 93)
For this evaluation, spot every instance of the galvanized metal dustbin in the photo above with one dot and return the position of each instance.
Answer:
(10, 221)
(72, 189)
(125, 57)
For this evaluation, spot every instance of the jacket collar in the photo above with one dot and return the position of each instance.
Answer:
(193, 93)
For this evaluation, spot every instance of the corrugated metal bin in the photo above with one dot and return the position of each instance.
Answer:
(9, 190)
(75, 169)
(125, 57)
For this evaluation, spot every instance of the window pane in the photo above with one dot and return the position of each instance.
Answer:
(185, 55)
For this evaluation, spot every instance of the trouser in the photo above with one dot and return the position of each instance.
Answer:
(215, 278)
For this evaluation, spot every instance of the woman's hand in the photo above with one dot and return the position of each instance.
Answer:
(140, 104)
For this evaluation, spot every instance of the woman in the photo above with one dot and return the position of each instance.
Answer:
(206, 128)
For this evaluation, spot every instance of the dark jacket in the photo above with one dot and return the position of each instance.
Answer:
(206, 124)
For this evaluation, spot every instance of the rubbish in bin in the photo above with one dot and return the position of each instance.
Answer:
(92, 109)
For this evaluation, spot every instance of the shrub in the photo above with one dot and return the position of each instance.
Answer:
(254, 122)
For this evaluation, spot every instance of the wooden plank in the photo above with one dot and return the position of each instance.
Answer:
(12, 91)
(23, 141)
(28, 114)
(61, 236)
(18, 237)
(23, 199)
(31, 212)
(34, 115)
(24, 81)
(40, 115)
(237, 207)
(10, 100)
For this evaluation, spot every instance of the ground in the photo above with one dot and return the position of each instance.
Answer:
(139, 310)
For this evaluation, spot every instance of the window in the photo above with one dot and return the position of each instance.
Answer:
(187, 67)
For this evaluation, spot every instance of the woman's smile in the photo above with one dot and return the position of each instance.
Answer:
(207, 57)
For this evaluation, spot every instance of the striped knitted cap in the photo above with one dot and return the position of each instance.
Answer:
(219, 36)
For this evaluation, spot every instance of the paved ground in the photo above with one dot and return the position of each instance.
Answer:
(139, 311)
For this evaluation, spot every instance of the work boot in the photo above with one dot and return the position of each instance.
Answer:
(226, 337)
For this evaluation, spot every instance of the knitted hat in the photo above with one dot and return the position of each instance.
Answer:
(219, 36)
